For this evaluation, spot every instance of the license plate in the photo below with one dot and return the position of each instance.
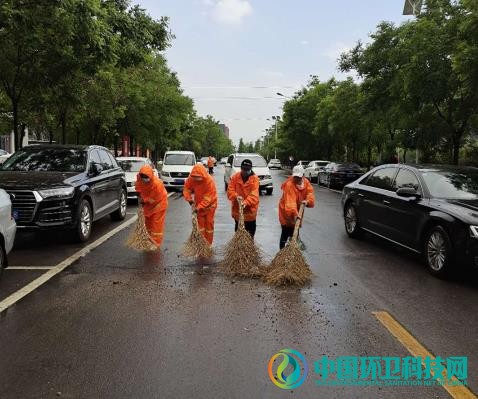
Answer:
(16, 214)
(179, 181)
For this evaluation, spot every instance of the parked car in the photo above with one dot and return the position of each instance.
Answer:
(313, 168)
(8, 229)
(176, 167)
(4, 155)
(64, 187)
(339, 174)
(131, 167)
(431, 210)
(223, 161)
(274, 164)
(303, 163)
(259, 167)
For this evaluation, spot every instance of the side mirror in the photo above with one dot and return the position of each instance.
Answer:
(408, 192)
(96, 169)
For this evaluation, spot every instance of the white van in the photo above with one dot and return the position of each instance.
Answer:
(259, 167)
(176, 167)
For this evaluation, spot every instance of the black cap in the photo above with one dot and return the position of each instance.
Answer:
(246, 164)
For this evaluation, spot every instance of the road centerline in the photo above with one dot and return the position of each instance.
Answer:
(418, 350)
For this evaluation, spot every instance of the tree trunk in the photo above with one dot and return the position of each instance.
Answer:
(63, 127)
(16, 133)
(22, 133)
(456, 149)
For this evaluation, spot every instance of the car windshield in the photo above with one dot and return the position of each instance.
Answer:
(131, 165)
(452, 185)
(179, 159)
(257, 161)
(47, 160)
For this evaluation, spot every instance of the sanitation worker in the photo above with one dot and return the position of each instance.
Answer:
(154, 199)
(202, 187)
(210, 164)
(244, 186)
(296, 190)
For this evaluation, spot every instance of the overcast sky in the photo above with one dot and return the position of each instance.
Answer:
(233, 56)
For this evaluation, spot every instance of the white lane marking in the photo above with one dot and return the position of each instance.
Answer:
(29, 268)
(16, 296)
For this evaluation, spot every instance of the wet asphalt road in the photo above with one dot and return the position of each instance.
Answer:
(120, 324)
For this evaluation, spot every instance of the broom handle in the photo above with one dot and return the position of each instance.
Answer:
(298, 222)
(241, 213)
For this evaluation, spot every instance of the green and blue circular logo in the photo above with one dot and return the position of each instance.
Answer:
(291, 369)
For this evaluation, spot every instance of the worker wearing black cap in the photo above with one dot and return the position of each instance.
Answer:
(244, 186)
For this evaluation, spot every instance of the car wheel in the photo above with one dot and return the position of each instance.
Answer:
(352, 226)
(438, 251)
(3, 260)
(85, 221)
(120, 213)
(269, 191)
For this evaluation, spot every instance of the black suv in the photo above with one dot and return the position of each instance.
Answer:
(69, 187)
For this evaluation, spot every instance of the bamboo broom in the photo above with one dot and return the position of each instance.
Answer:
(289, 266)
(242, 257)
(196, 245)
(139, 239)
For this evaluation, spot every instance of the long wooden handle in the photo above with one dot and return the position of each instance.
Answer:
(241, 213)
(298, 222)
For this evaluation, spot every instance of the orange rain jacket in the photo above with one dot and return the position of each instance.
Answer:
(289, 204)
(205, 199)
(155, 198)
(249, 191)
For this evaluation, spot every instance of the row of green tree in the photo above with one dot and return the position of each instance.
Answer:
(416, 90)
(91, 71)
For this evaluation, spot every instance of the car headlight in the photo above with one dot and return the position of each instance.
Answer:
(60, 192)
(165, 174)
(474, 232)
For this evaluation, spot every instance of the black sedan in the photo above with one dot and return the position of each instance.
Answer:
(431, 210)
(64, 187)
(339, 174)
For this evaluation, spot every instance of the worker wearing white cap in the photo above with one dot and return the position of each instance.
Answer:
(296, 190)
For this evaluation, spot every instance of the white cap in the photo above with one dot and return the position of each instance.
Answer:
(298, 171)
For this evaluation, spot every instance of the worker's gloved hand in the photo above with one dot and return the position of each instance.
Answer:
(304, 202)
(297, 218)
(239, 198)
(191, 202)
